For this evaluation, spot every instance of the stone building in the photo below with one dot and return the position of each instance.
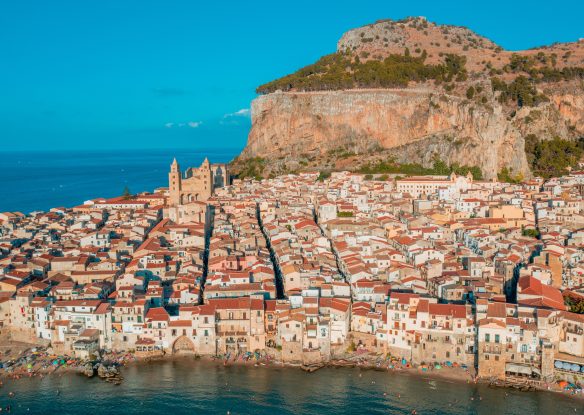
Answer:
(189, 192)
(195, 185)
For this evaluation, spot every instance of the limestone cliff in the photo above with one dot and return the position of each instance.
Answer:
(304, 130)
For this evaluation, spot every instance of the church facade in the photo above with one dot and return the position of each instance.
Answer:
(188, 193)
(195, 186)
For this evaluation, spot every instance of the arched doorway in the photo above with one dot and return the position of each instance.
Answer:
(183, 345)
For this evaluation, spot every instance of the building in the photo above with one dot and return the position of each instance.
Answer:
(196, 185)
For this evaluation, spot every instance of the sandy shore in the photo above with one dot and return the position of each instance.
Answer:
(43, 365)
(445, 373)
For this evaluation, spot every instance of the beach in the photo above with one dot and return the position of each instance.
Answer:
(32, 361)
(184, 385)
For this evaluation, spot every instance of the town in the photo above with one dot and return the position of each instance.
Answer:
(309, 269)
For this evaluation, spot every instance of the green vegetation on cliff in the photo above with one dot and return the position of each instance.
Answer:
(439, 168)
(344, 71)
(542, 68)
(522, 91)
(251, 167)
(547, 158)
(531, 70)
(552, 158)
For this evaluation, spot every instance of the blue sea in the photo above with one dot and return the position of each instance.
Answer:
(34, 180)
(189, 387)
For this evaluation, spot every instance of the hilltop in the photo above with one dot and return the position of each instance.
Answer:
(412, 91)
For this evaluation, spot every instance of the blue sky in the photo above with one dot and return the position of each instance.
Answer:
(181, 74)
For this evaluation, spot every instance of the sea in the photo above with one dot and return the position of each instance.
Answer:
(191, 387)
(35, 180)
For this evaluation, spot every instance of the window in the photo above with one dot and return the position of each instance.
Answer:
(497, 338)
(487, 337)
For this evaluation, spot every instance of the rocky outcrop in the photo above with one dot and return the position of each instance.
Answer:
(419, 125)
(295, 130)
(109, 372)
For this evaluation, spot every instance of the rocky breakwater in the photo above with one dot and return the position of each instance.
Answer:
(416, 125)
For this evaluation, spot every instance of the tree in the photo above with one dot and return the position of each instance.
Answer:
(323, 175)
(470, 92)
(342, 70)
(126, 193)
(551, 158)
(574, 305)
(505, 176)
(532, 233)
(441, 168)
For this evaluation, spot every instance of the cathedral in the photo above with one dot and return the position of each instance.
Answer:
(188, 193)
(196, 185)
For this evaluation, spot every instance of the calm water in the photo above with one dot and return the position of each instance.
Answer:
(42, 180)
(189, 387)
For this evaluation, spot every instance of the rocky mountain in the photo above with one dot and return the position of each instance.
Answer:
(412, 91)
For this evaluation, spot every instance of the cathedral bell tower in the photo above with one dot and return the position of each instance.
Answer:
(174, 183)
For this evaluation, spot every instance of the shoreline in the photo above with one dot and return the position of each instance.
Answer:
(445, 374)
(42, 367)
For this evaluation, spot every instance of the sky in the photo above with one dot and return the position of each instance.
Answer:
(127, 74)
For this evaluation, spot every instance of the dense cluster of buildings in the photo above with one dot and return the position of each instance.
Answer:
(428, 269)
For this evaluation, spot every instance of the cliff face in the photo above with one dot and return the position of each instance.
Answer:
(418, 125)
(297, 130)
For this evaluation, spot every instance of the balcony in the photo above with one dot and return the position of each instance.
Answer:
(232, 333)
(491, 349)
(575, 330)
